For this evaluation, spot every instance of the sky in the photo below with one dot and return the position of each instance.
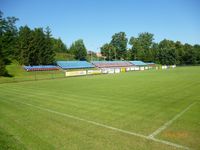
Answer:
(95, 21)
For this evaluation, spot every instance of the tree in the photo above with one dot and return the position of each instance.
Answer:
(167, 54)
(3, 71)
(142, 47)
(180, 52)
(35, 46)
(129, 55)
(48, 51)
(24, 45)
(197, 51)
(154, 50)
(109, 51)
(78, 50)
(8, 33)
(190, 56)
(134, 42)
(59, 46)
(119, 42)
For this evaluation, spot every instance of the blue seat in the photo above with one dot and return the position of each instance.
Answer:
(40, 68)
(74, 64)
(138, 63)
(111, 64)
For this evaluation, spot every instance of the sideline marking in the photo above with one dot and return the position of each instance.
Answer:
(168, 123)
(105, 126)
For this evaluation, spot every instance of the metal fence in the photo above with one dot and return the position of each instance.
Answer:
(33, 76)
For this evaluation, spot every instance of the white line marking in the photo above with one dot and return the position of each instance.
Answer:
(164, 126)
(105, 126)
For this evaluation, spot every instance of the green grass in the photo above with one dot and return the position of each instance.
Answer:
(139, 102)
(8, 141)
(18, 74)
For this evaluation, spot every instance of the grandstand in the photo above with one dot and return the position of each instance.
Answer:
(151, 64)
(41, 68)
(74, 64)
(111, 64)
(139, 65)
(104, 66)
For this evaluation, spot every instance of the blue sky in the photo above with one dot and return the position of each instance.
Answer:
(95, 21)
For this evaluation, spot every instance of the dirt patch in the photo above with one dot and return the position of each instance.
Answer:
(177, 134)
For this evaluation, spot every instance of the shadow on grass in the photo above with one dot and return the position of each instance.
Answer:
(9, 141)
(8, 75)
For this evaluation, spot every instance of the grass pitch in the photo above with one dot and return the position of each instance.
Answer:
(116, 111)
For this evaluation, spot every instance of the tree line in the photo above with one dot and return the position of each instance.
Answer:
(32, 46)
(38, 47)
(143, 47)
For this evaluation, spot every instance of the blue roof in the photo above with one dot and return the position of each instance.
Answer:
(108, 64)
(138, 63)
(114, 61)
(74, 64)
(150, 63)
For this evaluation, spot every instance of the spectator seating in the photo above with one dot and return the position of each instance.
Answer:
(74, 64)
(41, 68)
(111, 64)
(138, 63)
(151, 64)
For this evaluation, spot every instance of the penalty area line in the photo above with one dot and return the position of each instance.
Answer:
(168, 123)
(104, 126)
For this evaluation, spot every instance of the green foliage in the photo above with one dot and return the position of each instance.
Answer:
(142, 47)
(78, 50)
(8, 33)
(167, 54)
(119, 42)
(109, 51)
(180, 52)
(38, 47)
(190, 56)
(49, 53)
(24, 45)
(3, 71)
(59, 46)
(35, 46)
(197, 53)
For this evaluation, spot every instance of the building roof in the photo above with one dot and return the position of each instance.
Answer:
(150, 63)
(138, 63)
(74, 64)
(40, 68)
(111, 64)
